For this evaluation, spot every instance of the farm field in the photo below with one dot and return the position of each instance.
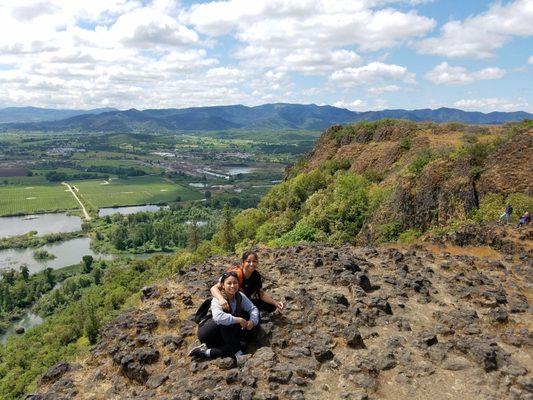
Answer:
(133, 191)
(35, 199)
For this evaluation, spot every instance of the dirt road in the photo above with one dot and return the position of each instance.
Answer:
(85, 213)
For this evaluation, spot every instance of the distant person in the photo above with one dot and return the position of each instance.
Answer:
(251, 284)
(524, 220)
(225, 333)
(506, 214)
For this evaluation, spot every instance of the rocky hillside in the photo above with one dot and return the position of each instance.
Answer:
(416, 322)
(417, 178)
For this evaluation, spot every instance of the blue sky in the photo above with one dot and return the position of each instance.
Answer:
(357, 54)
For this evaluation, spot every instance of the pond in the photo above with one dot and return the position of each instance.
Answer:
(67, 253)
(42, 223)
(127, 210)
(239, 170)
(27, 321)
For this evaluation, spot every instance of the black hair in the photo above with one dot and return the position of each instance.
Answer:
(246, 254)
(227, 274)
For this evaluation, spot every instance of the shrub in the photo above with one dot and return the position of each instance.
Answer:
(405, 143)
(301, 233)
(388, 232)
(423, 158)
(521, 203)
(409, 236)
(374, 175)
(332, 166)
(490, 208)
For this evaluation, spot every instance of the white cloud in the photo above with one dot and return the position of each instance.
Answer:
(445, 74)
(307, 61)
(355, 105)
(89, 53)
(492, 104)
(480, 35)
(308, 36)
(530, 60)
(370, 73)
(148, 28)
(383, 89)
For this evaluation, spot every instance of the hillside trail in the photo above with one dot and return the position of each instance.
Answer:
(85, 213)
(420, 321)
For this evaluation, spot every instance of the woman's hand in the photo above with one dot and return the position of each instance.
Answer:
(279, 305)
(249, 325)
(224, 304)
(242, 322)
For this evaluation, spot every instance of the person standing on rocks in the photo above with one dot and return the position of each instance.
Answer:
(251, 284)
(224, 335)
(506, 214)
(524, 220)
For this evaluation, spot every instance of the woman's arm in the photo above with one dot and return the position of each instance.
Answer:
(223, 318)
(217, 294)
(267, 299)
(251, 309)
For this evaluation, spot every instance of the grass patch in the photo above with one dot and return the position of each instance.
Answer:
(35, 199)
(133, 191)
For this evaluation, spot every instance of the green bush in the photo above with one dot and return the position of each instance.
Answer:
(490, 208)
(422, 158)
(409, 236)
(373, 175)
(301, 233)
(332, 166)
(405, 143)
(389, 232)
(521, 203)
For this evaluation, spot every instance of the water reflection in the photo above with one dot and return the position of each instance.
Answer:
(67, 253)
(28, 320)
(42, 223)
(127, 210)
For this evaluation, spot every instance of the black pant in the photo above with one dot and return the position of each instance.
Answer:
(263, 306)
(223, 340)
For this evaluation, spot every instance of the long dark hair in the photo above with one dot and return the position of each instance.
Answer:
(227, 274)
(249, 253)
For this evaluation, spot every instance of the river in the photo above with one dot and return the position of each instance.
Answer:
(127, 210)
(42, 223)
(67, 253)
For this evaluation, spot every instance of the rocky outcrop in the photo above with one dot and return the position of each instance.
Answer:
(509, 169)
(359, 323)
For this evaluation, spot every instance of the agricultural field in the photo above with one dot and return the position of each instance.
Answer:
(35, 199)
(132, 191)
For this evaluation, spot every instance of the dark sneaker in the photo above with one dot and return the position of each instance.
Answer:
(198, 351)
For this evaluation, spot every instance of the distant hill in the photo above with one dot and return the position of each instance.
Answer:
(268, 116)
(36, 114)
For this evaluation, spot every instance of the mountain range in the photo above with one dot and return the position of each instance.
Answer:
(36, 114)
(279, 116)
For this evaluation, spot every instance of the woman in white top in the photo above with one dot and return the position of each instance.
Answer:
(223, 335)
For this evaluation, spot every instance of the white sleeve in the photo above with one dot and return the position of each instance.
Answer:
(220, 316)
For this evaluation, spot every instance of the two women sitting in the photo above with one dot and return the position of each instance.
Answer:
(237, 299)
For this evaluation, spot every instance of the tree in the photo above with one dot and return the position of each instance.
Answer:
(162, 233)
(193, 237)
(97, 275)
(207, 194)
(87, 264)
(91, 322)
(119, 238)
(25, 272)
(49, 276)
(9, 276)
(228, 232)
